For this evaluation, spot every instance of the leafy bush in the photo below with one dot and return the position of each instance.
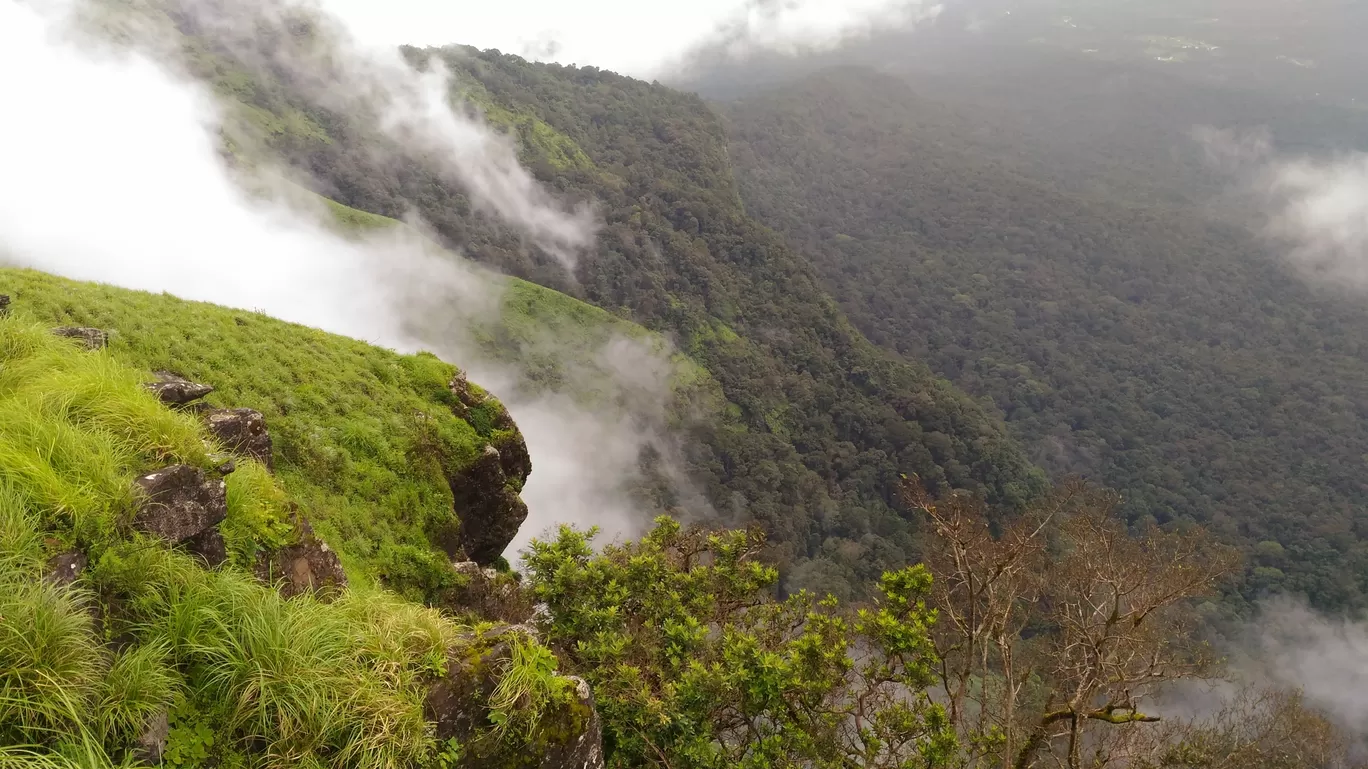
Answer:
(695, 663)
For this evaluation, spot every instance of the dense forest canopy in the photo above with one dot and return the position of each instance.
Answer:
(1126, 336)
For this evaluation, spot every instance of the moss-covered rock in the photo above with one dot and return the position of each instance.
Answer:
(473, 692)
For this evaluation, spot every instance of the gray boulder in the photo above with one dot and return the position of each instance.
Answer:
(583, 749)
(210, 546)
(488, 506)
(487, 594)
(179, 502)
(308, 566)
(242, 431)
(94, 338)
(175, 390)
(65, 568)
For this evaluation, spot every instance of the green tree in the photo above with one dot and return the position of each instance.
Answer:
(696, 663)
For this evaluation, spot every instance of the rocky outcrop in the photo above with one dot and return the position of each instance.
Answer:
(180, 503)
(514, 457)
(570, 736)
(242, 431)
(174, 390)
(517, 462)
(94, 338)
(490, 510)
(583, 748)
(307, 566)
(465, 397)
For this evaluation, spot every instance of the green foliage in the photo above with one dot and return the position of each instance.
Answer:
(338, 683)
(137, 686)
(307, 677)
(190, 740)
(357, 221)
(258, 514)
(694, 663)
(49, 657)
(348, 448)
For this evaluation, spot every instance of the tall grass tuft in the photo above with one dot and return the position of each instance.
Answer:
(75, 427)
(305, 678)
(528, 688)
(138, 685)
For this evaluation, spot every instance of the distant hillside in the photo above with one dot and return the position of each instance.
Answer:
(818, 424)
(1167, 355)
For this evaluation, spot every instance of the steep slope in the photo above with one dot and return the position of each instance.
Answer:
(128, 639)
(819, 424)
(365, 441)
(1145, 345)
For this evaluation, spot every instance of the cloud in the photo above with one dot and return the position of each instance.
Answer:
(1321, 210)
(1327, 658)
(321, 57)
(112, 173)
(770, 41)
(640, 39)
(799, 26)
(1314, 209)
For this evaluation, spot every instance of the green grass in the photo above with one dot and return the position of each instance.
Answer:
(75, 427)
(537, 140)
(356, 220)
(246, 676)
(528, 689)
(363, 437)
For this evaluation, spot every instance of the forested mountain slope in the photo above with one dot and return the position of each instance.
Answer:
(819, 423)
(1165, 354)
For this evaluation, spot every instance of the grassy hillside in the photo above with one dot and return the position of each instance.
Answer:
(93, 660)
(1142, 344)
(364, 438)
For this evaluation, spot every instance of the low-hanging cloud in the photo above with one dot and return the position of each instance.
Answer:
(1315, 209)
(771, 41)
(1322, 211)
(1291, 646)
(112, 173)
(321, 58)
(798, 26)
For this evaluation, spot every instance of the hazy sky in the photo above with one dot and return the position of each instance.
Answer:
(628, 36)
